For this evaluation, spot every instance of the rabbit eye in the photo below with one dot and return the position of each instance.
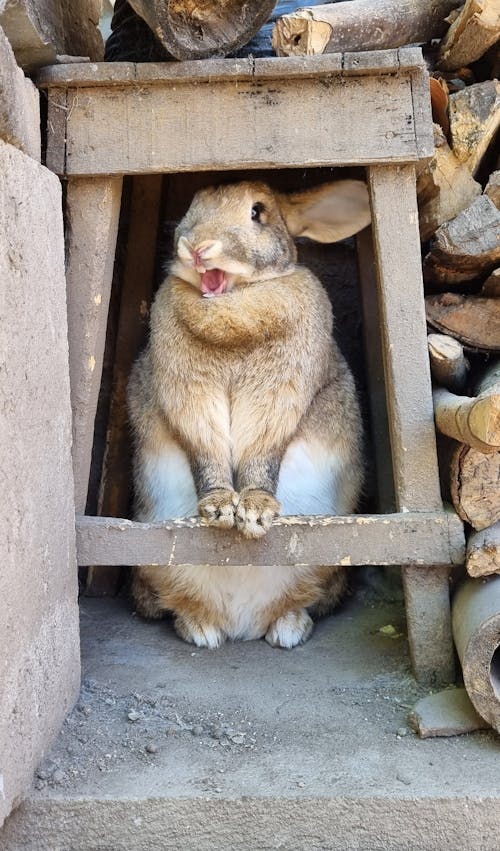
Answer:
(257, 211)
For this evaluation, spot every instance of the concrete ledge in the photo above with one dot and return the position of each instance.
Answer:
(265, 824)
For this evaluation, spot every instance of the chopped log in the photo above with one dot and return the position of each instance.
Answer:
(474, 320)
(476, 630)
(40, 30)
(474, 485)
(492, 188)
(471, 34)
(474, 120)
(491, 286)
(445, 187)
(483, 552)
(193, 30)
(449, 366)
(360, 25)
(467, 248)
(471, 420)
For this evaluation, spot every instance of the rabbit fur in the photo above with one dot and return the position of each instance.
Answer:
(242, 405)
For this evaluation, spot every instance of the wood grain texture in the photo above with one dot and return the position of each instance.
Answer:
(189, 30)
(475, 485)
(158, 120)
(483, 552)
(471, 420)
(374, 24)
(135, 299)
(92, 210)
(449, 366)
(474, 320)
(418, 538)
(474, 31)
(474, 120)
(393, 199)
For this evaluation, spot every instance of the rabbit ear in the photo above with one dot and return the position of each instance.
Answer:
(328, 213)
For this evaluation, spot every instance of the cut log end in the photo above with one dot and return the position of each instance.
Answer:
(449, 366)
(198, 30)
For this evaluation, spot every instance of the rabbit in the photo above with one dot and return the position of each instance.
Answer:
(242, 405)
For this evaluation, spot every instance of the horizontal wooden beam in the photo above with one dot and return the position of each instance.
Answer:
(415, 538)
(144, 119)
(151, 73)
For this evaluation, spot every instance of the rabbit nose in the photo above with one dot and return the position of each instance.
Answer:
(203, 251)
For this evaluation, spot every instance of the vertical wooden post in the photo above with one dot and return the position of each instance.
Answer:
(135, 300)
(409, 403)
(92, 214)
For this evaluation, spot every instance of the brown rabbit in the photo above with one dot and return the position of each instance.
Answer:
(242, 404)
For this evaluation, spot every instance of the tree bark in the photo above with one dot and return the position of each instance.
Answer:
(198, 29)
(360, 25)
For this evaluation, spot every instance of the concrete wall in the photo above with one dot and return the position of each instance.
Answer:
(39, 640)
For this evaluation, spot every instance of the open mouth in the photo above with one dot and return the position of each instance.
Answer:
(213, 282)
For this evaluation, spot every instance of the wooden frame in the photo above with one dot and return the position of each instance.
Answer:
(370, 109)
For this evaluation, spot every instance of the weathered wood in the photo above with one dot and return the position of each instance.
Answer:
(373, 24)
(418, 538)
(409, 399)
(471, 34)
(468, 247)
(445, 187)
(449, 366)
(136, 295)
(375, 371)
(92, 211)
(190, 30)
(474, 320)
(474, 120)
(474, 421)
(476, 628)
(40, 30)
(474, 482)
(483, 552)
(158, 120)
(392, 192)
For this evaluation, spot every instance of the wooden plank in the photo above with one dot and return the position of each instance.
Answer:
(375, 371)
(409, 400)
(92, 209)
(419, 538)
(165, 129)
(136, 295)
(247, 68)
(397, 245)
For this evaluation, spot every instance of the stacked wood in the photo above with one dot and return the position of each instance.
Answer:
(467, 248)
(190, 30)
(445, 187)
(474, 115)
(449, 366)
(473, 484)
(40, 31)
(476, 630)
(472, 420)
(360, 24)
(483, 552)
(471, 34)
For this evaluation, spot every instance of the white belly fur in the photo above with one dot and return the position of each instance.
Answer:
(307, 485)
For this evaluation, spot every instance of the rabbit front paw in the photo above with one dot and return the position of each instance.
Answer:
(290, 630)
(218, 507)
(256, 511)
(203, 635)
